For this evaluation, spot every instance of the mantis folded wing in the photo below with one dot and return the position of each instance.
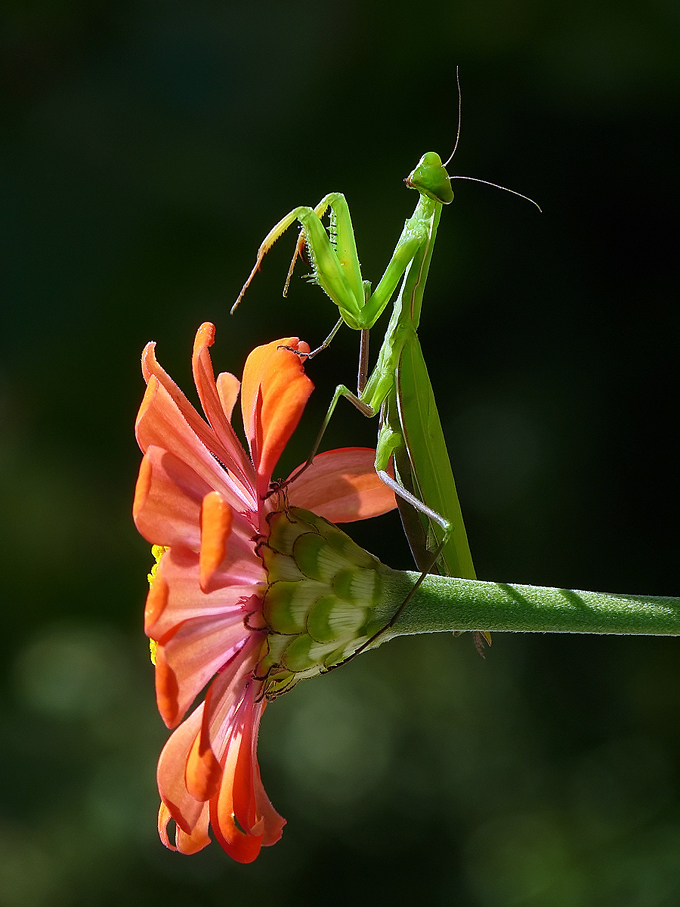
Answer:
(422, 466)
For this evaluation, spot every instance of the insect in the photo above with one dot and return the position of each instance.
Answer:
(399, 387)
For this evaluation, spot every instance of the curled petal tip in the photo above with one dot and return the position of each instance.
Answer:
(205, 336)
(148, 359)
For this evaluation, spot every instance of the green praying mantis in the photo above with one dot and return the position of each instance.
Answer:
(399, 387)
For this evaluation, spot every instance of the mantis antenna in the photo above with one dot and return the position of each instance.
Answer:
(460, 105)
(496, 186)
(473, 178)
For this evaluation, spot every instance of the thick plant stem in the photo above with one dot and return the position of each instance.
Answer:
(442, 604)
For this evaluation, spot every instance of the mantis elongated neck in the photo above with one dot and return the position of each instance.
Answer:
(426, 215)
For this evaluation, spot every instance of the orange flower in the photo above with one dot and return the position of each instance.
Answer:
(205, 501)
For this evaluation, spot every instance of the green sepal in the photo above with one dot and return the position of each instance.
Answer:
(286, 605)
(324, 599)
(329, 621)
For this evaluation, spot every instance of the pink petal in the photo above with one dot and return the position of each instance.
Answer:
(342, 486)
(183, 808)
(190, 657)
(232, 458)
(274, 393)
(160, 423)
(228, 387)
(226, 695)
(204, 378)
(180, 598)
(204, 771)
(168, 497)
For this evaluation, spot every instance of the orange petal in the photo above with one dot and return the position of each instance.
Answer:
(168, 497)
(199, 837)
(228, 387)
(216, 522)
(204, 772)
(167, 689)
(204, 378)
(273, 823)
(164, 818)
(226, 452)
(184, 843)
(179, 805)
(252, 806)
(252, 377)
(160, 423)
(274, 393)
(245, 807)
(342, 486)
(240, 846)
(142, 487)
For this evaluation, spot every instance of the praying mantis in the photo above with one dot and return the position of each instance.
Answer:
(399, 387)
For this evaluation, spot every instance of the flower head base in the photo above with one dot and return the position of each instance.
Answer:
(323, 602)
(204, 503)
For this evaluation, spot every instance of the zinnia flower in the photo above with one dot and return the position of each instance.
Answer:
(208, 508)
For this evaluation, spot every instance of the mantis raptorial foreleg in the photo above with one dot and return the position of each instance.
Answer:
(334, 261)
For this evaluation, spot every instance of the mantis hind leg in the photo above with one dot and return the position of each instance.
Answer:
(424, 566)
(479, 636)
(414, 502)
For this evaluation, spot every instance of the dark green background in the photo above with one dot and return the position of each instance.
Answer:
(147, 148)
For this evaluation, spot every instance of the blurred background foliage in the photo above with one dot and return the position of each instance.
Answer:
(147, 147)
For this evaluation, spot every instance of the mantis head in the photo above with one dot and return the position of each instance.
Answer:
(431, 179)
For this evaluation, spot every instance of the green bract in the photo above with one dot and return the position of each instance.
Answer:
(324, 600)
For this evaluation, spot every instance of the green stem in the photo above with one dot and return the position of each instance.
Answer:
(442, 604)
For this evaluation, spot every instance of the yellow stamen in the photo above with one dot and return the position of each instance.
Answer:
(158, 551)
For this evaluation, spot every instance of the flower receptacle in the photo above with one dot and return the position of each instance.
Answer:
(326, 598)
